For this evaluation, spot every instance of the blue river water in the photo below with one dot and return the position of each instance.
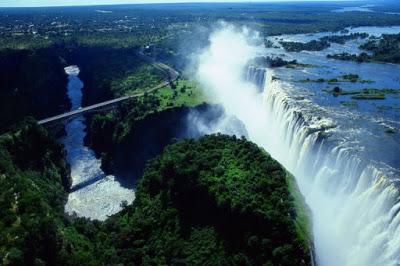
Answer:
(368, 121)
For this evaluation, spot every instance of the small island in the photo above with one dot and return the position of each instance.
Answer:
(383, 49)
(313, 45)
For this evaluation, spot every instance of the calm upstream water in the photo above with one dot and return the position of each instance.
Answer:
(94, 195)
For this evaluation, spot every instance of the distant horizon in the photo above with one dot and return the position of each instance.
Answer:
(62, 3)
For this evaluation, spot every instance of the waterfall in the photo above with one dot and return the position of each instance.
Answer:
(256, 75)
(355, 202)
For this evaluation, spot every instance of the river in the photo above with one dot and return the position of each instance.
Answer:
(94, 194)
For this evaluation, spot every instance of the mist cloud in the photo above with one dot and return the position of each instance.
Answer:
(220, 71)
(324, 175)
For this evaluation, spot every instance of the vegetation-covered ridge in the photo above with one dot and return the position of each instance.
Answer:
(216, 201)
(109, 72)
(34, 178)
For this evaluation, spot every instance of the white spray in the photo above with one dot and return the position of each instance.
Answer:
(356, 218)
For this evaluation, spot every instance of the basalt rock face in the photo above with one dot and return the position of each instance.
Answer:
(127, 157)
(32, 83)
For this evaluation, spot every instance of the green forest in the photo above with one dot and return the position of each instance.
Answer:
(109, 72)
(33, 190)
(114, 127)
(218, 200)
(385, 49)
(309, 46)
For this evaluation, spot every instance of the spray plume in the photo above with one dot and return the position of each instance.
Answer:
(355, 210)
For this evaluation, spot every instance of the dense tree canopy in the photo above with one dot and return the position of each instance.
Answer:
(109, 72)
(215, 201)
(33, 181)
(385, 49)
(313, 45)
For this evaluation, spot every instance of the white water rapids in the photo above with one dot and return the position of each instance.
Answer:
(355, 206)
(94, 195)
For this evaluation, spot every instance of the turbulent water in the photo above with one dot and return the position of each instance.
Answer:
(345, 163)
(256, 75)
(94, 195)
(349, 184)
(355, 204)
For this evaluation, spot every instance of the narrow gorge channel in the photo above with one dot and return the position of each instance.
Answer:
(94, 194)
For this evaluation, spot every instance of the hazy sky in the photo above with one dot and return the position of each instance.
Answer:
(19, 3)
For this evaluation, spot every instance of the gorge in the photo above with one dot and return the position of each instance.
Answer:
(353, 199)
(93, 194)
(200, 134)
